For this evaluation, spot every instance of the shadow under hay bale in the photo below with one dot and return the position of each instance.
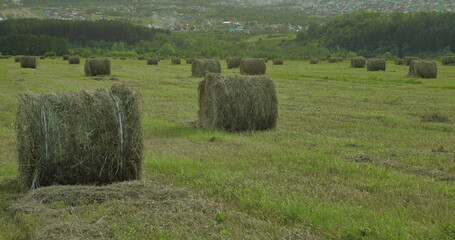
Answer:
(255, 66)
(233, 62)
(29, 62)
(423, 69)
(97, 66)
(201, 66)
(358, 62)
(176, 61)
(408, 60)
(152, 61)
(399, 61)
(74, 60)
(314, 61)
(79, 137)
(277, 61)
(376, 65)
(448, 60)
(189, 60)
(66, 57)
(237, 103)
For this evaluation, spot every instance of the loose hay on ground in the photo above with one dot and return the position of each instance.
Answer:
(201, 66)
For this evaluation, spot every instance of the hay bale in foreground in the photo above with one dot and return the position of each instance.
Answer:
(423, 69)
(201, 66)
(358, 62)
(314, 61)
(97, 66)
(408, 60)
(233, 62)
(255, 66)
(17, 58)
(277, 61)
(66, 57)
(152, 61)
(189, 60)
(74, 60)
(399, 61)
(376, 65)
(175, 61)
(237, 103)
(29, 62)
(448, 60)
(79, 137)
(335, 59)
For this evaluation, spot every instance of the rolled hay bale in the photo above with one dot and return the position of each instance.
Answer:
(17, 58)
(74, 60)
(408, 60)
(66, 57)
(448, 60)
(233, 62)
(189, 60)
(175, 61)
(29, 62)
(314, 61)
(335, 59)
(237, 103)
(399, 61)
(277, 61)
(201, 66)
(358, 62)
(97, 66)
(376, 65)
(255, 66)
(79, 137)
(152, 61)
(423, 69)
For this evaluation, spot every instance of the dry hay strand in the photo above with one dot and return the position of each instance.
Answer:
(175, 61)
(189, 60)
(152, 209)
(74, 60)
(237, 103)
(358, 62)
(17, 59)
(201, 66)
(408, 60)
(233, 62)
(255, 66)
(423, 69)
(66, 57)
(335, 59)
(448, 60)
(376, 65)
(314, 61)
(79, 137)
(152, 61)
(97, 66)
(277, 61)
(399, 61)
(29, 62)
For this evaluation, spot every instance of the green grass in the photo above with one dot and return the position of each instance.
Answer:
(350, 158)
(269, 37)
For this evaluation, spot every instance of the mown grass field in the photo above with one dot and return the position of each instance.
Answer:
(355, 155)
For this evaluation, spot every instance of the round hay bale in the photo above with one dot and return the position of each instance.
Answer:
(74, 60)
(314, 61)
(233, 62)
(97, 66)
(335, 59)
(277, 61)
(448, 60)
(152, 61)
(29, 62)
(237, 103)
(399, 61)
(201, 66)
(358, 62)
(376, 65)
(66, 57)
(255, 66)
(79, 137)
(189, 60)
(17, 58)
(423, 69)
(175, 61)
(408, 60)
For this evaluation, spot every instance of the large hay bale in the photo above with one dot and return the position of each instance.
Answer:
(74, 60)
(358, 62)
(175, 61)
(79, 137)
(255, 66)
(277, 61)
(408, 60)
(335, 59)
(233, 62)
(152, 61)
(97, 66)
(314, 61)
(29, 62)
(399, 61)
(66, 57)
(17, 58)
(189, 60)
(376, 65)
(448, 60)
(237, 103)
(201, 66)
(423, 69)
